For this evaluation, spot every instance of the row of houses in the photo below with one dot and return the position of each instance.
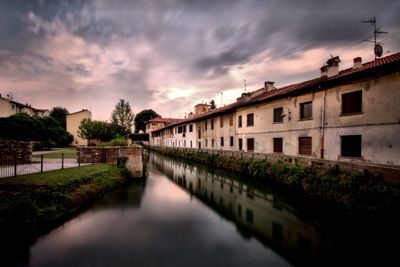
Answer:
(348, 115)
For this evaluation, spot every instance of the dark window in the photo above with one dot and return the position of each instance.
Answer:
(351, 146)
(184, 128)
(199, 144)
(212, 124)
(352, 102)
(250, 119)
(222, 141)
(240, 121)
(231, 140)
(221, 121)
(231, 119)
(199, 134)
(278, 145)
(306, 111)
(305, 145)
(239, 210)
(206, 143)
(250, 144)
(240, 143)
(249, 216)
(184, 143)
(278, 115)
(191, 144)
(205, 125)
(191, 128)
(212, 143)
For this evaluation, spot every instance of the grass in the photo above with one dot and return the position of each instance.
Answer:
(35, 201)
(69, 152)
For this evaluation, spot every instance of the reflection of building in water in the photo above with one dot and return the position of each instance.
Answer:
(250, 209)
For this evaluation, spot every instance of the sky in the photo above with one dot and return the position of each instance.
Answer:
(170, 55)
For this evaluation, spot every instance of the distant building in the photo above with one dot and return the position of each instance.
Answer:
(157, 123)
(10, 107)
(73, 122)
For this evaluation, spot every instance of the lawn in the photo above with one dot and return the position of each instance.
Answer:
(69, 152)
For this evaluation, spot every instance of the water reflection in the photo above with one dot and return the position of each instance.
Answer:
(156, 224)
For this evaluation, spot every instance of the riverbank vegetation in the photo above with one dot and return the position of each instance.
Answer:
(358, 193)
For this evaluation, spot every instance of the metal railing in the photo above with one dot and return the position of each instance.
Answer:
(13, 165)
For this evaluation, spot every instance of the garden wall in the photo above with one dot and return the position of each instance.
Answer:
(19, 151)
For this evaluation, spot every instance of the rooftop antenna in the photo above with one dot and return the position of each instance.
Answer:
(244, 85)
(378, 50)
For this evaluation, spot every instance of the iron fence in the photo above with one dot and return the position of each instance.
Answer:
(12, 165)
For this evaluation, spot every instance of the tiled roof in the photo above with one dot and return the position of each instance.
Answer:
(165, 120)
(293, 88)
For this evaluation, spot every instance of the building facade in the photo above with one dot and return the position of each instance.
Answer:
(73, 122)
(9, 107)
(351, 115)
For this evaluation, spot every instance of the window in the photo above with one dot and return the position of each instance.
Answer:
(249, 216)
(191, 144)
(231, 140)
(240, 143)
(205, 125)
(351, 146)
(191, 128)
(206, 142)
(250, 119)
(222, 141)
(305, 145)
(212, 143)
(240, 121)
(231, 120)
(199, 144)
(278, 115)
(199, 134)
(306, 111)
(221, 121)
(352, 103)
(184, 143)
(250, 144)
(278, 145)
(212, 124)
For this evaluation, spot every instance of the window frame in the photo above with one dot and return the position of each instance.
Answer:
(248, 144)
(250, 120)
(303, 111)
(275, 145)
(240, 123)
(353, 142)
(301, 140)
(348, 96)
(276, 116)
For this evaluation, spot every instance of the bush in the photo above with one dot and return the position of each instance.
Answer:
(115, 142)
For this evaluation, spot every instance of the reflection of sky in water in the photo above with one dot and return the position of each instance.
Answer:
(168, 229)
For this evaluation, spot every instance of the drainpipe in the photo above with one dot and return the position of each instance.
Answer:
(323, 124)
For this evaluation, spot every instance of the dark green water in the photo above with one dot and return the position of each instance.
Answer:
(183, 215)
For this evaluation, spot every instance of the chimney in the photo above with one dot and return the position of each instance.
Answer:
(324, 71)
(269, 86)
(333, 66)
(201, 109)
(357, 62)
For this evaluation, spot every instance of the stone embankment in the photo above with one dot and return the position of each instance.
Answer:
(19, 151)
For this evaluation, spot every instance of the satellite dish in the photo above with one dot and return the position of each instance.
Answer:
(378, 50)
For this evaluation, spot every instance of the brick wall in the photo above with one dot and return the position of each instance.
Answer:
(19, 150)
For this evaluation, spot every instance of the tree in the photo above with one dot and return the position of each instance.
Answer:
(96, 130)
(212, 104)
(143, 117)
(60, 115)
(122, 116)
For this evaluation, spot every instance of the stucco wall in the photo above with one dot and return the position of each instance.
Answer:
(73, 122)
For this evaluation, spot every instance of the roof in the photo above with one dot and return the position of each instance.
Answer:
(165, 120)
(76, 112)
(370, 69)
(23, 105)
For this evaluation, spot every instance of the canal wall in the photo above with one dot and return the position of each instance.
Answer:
(357, 192)
(110, 155)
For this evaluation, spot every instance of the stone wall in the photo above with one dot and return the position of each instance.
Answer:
(110, 155)
(11, 150)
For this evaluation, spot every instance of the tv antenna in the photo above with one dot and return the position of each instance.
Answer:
(378, 50)
(244, 85)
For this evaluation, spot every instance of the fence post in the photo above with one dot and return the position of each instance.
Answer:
(41, 162)
(15, 165)
(79, 158)
(62, 161)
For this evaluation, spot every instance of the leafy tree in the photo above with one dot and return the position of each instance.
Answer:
(60, 115)
(23, 127)
(122, 116)
(96, 130)
(143, 117)
(212, 104)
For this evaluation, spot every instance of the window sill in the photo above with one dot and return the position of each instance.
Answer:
(277, 122)
(351, 114)
(306, 119)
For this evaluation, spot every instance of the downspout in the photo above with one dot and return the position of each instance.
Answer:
(323, 124)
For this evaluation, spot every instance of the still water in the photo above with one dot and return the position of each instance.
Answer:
(183, 215)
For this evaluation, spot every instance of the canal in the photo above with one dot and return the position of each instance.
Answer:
(186, 215)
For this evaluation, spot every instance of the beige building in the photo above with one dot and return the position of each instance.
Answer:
(73, 122)
(9, 107)
(157, 123)
(351, 115)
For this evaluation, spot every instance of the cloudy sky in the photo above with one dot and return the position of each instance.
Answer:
(169, 55)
